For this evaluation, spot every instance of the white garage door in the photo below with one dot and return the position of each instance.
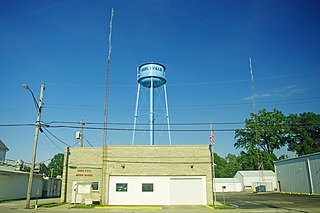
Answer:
(157, 190)
(137, 190)
(187, 191)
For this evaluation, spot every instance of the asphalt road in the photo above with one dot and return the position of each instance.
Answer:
(244, 202)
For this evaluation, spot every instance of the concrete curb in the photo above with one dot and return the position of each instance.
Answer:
(130, 207)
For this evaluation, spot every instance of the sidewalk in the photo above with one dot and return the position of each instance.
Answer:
(21, 204)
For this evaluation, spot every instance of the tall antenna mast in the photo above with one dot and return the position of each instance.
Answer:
(104, 133)
(253, 90)
(260, 164)
(81, 133)
(106, 95)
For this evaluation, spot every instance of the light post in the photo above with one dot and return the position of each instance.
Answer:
(38, 125)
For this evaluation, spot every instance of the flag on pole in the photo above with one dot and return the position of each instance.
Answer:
(211, 137)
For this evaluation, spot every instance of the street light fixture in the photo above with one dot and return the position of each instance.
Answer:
(33, 97)
(36, 135)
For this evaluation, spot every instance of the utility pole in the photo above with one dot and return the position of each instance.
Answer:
(36, 135)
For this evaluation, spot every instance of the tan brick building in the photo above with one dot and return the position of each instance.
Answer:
(138, 175)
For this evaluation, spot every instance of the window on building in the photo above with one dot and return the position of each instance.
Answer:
(147, 187)
(95, 186)
(121, 187)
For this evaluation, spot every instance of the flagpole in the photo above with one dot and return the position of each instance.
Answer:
(213, 169)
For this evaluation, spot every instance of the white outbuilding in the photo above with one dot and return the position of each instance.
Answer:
(252, 180)
(228, 185)
(257, 180)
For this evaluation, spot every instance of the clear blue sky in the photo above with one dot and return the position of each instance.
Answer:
(205, 46)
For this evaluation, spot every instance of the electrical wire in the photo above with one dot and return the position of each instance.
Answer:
(88, 141)
(46, 126)
(141, 130)
(16, 125)
(190, 83)
(236, 104)
(55, 137)
(160, 124)
(52, 141)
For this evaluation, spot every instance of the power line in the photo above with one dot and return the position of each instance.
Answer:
(141, 130)
(16, 125)
(88, 141)
(52, 141)
(160, 124)
(56, 137)
(281, 102)
(45, 126)
(191, 83)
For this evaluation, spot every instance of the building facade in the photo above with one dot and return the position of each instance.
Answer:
(301, 174)
(138, 175)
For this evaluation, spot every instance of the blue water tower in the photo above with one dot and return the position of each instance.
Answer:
(151, 76)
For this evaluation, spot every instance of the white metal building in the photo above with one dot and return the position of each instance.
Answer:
(252, 179)
(228, 185)
(247, 181)
(14, 184)
(301, 174)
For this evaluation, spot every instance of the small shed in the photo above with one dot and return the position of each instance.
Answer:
(300, 174)
(257, 180)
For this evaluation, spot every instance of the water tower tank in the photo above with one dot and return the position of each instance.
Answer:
(151, 72)
(151, 76)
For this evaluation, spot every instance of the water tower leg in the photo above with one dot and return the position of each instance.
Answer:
(167, 112)
(135, 116)
(151, 113)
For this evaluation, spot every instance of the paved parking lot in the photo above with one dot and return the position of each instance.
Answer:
(276, 201)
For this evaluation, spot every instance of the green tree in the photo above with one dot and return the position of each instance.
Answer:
(248, 160)
(255, 159)
(305, 133)
(233, 165)
(264, 132)
(283, 156)
(220, 164)
(55, 167)
(226, 167)
(43, 169)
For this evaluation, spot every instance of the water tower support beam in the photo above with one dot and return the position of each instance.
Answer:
(167, 112)
(135, 115)
(151, 113)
